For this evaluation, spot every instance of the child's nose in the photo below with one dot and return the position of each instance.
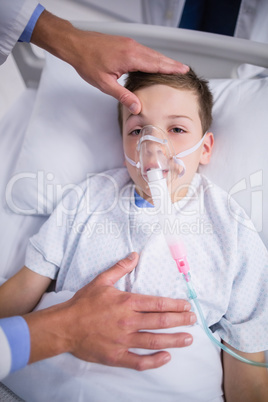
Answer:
(155, 156)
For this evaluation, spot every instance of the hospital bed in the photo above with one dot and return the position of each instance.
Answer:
(48, 143)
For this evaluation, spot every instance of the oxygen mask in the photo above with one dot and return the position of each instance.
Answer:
(157, 159)
(156, 156)
(155, 151)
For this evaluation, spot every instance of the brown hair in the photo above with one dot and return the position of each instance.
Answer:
(189, 81)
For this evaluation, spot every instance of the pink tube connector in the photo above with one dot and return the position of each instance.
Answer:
(178, 253)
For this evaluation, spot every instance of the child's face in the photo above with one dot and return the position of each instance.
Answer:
(175, 111)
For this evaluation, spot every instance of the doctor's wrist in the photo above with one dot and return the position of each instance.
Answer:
(49, 332)
(55, 35)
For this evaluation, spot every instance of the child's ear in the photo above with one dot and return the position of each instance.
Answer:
(207, 149)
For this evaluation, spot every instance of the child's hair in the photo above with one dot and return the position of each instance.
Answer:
(189, 81)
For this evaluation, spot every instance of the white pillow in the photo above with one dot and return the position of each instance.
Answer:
(239, 162)
(73, 131)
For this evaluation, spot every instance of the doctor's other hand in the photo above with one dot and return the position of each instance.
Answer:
(101, 59)
(104, 323)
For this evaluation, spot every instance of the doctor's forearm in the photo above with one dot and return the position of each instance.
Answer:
(53, 34)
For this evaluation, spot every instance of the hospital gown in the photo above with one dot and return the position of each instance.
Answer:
(99, 223)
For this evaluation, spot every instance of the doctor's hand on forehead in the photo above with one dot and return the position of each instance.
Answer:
(101, 59)
(100, 323)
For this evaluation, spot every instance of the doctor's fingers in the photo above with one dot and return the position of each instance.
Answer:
(150, 61)
(158, 341)
(151, 321)
(158, 304)
(143, 362)
(119, 55)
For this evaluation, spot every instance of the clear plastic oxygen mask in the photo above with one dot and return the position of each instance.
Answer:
(156, 161)
(155, 151)
(157, 165)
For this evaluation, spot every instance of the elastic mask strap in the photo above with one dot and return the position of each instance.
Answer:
(191, 150)
(185, 153)
(137, 165)
(180, 163)
(150, 138)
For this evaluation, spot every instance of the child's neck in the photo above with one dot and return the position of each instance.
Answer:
(176, 196)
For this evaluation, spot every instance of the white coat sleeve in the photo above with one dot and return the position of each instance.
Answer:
(5, 353)
(14, 16)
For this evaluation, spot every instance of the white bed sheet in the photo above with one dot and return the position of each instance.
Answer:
(66, 378)
(15, 229)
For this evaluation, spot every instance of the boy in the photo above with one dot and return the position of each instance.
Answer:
(109, 216)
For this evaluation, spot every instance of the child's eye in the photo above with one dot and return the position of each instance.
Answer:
(135, 132)
(177, 130)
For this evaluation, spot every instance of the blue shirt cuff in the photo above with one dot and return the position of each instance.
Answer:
(18, 336)
(27, 33)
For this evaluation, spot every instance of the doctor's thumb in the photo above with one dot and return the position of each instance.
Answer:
(117, 271)
(127, 98)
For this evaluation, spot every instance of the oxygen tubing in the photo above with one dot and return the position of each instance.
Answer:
(193, 296)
